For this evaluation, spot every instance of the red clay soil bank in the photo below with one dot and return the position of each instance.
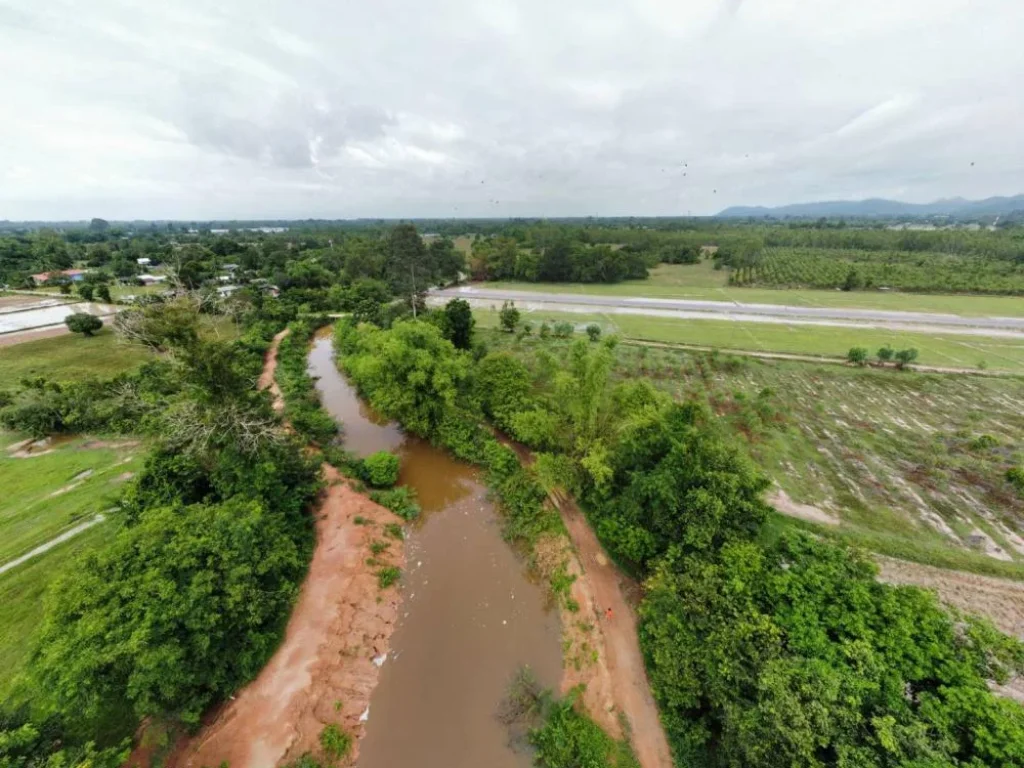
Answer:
(324, 671)
(615, 676)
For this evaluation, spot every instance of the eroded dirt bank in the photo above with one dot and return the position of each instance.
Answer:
(324, 670)
(604, 652)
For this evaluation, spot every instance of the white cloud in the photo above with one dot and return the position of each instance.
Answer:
(519, 107)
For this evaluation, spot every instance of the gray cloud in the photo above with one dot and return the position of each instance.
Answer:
(396, 108)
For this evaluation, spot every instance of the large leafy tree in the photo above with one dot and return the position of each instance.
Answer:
(407, 265)
(181, 609)
(677, 482)
(410, 373)
(795, 655)
(459, 323)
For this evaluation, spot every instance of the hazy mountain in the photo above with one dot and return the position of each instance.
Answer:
(954, 206)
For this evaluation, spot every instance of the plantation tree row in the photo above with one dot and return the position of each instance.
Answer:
(925, 271)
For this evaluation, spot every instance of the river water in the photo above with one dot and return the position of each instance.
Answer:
(471, 616)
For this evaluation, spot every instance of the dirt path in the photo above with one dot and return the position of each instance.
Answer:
(337, 637)
(999, 600)
(617, 681)
(17, 337)
(809, 358)
(266, 379)
(43, 548)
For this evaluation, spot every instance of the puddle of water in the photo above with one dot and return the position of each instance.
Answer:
(470, 619)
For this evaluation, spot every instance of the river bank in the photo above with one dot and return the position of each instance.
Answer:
(337, 636)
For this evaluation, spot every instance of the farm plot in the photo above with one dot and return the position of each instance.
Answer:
(905, 455)
(913, 465)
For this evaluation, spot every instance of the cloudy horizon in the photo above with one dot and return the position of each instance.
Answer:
(318, 109)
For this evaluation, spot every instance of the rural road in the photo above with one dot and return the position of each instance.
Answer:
(1011, 327)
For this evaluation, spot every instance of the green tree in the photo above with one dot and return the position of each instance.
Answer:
(502, 385)
(509, 316)
(905, 357)
(446, 261)
(857, 355)
(408, 269)
(83, 322)
(885, 354)
(460, 323)
(103, 293)
(177, 612)
(678, 483)
(85, 290)
(593, 331)
(410, 373)
(796, 655)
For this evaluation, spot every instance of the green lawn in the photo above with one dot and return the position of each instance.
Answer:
(71, 356)
(950, 350)
(22, 592)
(703, 282)
(38, 503)
(35, 506)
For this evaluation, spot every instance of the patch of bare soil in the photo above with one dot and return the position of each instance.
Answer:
(585, 660)
(324, 671)
(616, 670)
(781, 501)
(266, 380)
(10, 339)
(999, 600)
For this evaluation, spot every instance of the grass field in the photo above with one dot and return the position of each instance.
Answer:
(44, 496)
(48, 493)
(21, 602)
(912, 465)
(952, 350)
(703, 282)
(71, 356)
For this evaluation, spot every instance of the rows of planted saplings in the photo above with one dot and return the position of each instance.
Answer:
(761, 649)
(896, 270)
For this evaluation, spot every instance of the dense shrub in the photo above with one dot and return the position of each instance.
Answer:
(381, 469)
(401, 501)
(180, 609)
(83, 322)
(302, 401)
(795, 655)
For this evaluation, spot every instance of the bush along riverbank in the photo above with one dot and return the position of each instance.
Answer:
(760, 649)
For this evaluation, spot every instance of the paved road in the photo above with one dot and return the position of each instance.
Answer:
(768, 312)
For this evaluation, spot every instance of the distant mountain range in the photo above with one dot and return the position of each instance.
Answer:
(954, 206)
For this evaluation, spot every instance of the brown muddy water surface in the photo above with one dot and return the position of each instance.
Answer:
(471, 617)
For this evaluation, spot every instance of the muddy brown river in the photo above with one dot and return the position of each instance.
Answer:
(470, 617)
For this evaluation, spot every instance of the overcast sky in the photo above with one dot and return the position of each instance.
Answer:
(200, 109)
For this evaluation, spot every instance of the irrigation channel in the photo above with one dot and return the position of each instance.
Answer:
(471, 616)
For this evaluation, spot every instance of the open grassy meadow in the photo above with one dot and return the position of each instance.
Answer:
(70, 356)
(908, 464)
(703, 282)
(59, 486)
(951, 350)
